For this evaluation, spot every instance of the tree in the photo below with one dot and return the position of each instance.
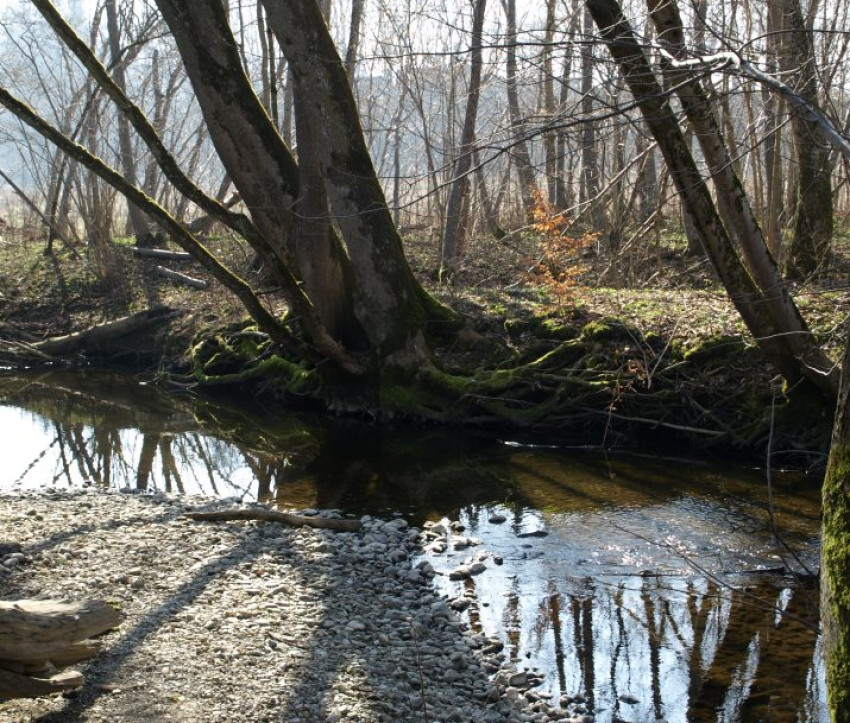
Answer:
(527, 182)
(138, 223)
(773, 321)
(835, 553)
(813, 217)
(456, 210)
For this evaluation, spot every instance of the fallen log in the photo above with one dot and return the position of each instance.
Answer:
(103, 336)
(181, 278)
(262, 514)
(41, 635)
(163, 254)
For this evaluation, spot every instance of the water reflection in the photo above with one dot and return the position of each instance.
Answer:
(648, 598)
(645, 637)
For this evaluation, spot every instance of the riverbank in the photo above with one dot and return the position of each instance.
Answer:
(254, 621)
(668, 362)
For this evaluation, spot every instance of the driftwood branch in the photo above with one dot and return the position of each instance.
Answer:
(262, 514)
(181, 278)
(162, 254)
(39, 635)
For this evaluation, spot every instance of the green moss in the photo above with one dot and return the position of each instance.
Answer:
(605, 330)
(715, 347)
(286, 376)
(564, 355)
(835, 585)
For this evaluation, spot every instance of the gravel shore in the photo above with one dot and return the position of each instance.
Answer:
(245, 621)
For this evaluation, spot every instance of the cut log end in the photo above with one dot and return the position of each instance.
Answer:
(41, 635)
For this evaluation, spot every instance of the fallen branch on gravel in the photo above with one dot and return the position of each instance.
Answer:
(261, 514)
(36, 636)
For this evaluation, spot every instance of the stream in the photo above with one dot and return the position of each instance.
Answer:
(645, 587)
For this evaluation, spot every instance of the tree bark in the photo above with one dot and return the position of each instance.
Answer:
(589, 151)
(389, 303)
(354, 37)
(527, 181)
(549, 137)
(261, 166)
(138, 220)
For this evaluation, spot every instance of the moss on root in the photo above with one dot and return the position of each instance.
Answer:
(243, 357)
(607, 377)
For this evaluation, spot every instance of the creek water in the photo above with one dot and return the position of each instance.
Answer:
(650, 589)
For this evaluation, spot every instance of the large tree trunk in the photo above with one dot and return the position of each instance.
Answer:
(835, 557)
(260, 164)
(389, 303)
(695, 196)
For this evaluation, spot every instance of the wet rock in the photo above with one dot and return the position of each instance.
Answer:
(462, 572)
(7, 548)
(497, 518)
(495, 647)
(518, 680)
(462, 543)
(533, 533)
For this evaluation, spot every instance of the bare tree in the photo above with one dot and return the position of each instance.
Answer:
(458, 195)
(813, 211)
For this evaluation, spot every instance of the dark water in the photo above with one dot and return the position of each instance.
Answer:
(654, 596)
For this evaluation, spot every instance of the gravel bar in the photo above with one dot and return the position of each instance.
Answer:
(247, 621)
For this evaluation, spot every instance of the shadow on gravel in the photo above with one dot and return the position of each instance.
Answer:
(383, 644)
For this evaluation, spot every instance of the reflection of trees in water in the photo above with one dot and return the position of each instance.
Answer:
(691, 650)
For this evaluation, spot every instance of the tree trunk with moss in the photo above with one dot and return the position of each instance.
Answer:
(835, 557)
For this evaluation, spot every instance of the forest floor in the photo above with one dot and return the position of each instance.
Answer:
(668, 308)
